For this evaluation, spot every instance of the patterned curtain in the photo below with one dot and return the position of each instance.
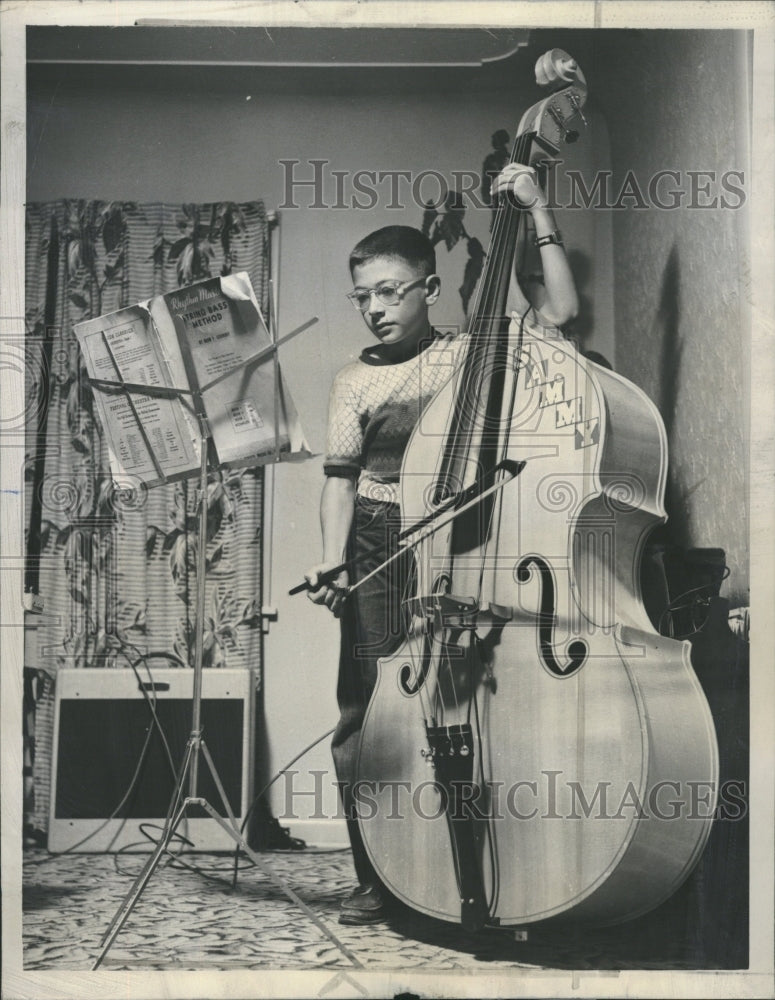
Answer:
(117, 565)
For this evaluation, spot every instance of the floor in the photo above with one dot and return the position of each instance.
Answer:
(190, 917)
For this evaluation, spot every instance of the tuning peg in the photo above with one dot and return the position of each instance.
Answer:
(576, 105)
(568, 134)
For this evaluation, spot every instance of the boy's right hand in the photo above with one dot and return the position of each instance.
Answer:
(332, 594)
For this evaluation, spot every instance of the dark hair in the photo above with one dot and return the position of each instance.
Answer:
(402, 242)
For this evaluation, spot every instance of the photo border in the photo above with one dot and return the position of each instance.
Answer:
(758, 980)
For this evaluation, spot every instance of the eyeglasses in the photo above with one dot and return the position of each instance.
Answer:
(389, 293)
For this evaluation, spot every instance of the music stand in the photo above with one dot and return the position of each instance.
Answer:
(196, 746)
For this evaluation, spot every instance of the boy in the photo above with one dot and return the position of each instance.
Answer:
(374, 406)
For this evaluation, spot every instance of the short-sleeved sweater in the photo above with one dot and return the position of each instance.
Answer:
(374, 407)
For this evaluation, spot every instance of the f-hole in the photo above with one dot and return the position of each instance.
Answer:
(411, 678)
(577, 650)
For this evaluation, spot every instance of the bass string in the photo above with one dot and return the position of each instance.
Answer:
(490, 292)
(498, 247)
(459, 432)
(484, 329)
(505, 438)
(501, 358)
(420, 648)
(506, 237)
(429, 659)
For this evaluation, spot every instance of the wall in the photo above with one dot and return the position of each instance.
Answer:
(677, 100)
(136, 139)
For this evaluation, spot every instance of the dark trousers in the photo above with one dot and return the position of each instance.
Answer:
(371, 625)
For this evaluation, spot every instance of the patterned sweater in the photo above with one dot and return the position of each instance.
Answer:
(374, 407)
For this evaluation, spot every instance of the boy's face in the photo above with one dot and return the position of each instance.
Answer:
(400, 327)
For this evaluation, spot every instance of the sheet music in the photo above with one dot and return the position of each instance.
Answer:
(149, 438)
(185, 339)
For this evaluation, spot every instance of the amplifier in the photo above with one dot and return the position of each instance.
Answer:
(113, 778)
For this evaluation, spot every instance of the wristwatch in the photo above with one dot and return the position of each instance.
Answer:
(544, 241)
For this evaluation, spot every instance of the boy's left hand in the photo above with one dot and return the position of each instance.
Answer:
(522, 183)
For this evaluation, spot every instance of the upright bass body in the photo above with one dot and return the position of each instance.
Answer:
(573, 761)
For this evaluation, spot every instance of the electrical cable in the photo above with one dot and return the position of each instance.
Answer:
(235, 866)
(152, 704)
(266, 788)
(282, 771)
(174, 859)
(127, 848)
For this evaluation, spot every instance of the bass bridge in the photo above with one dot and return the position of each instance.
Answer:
(437, 612)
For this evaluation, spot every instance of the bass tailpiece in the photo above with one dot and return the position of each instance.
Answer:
(452, 755)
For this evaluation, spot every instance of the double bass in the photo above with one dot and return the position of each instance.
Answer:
(534, 749)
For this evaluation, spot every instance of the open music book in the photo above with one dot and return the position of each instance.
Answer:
(211, 341)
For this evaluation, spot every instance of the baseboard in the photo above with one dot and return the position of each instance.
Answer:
(331, 833)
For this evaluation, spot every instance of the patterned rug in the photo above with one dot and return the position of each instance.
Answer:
(190, 917)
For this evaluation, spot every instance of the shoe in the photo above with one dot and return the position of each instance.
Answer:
(365, 905)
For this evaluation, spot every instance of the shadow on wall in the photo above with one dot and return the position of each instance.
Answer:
(582, 327)
(666, 332)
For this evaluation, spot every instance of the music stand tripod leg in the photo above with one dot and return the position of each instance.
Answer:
(226, 804)
(142, 880)
(234, 833)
